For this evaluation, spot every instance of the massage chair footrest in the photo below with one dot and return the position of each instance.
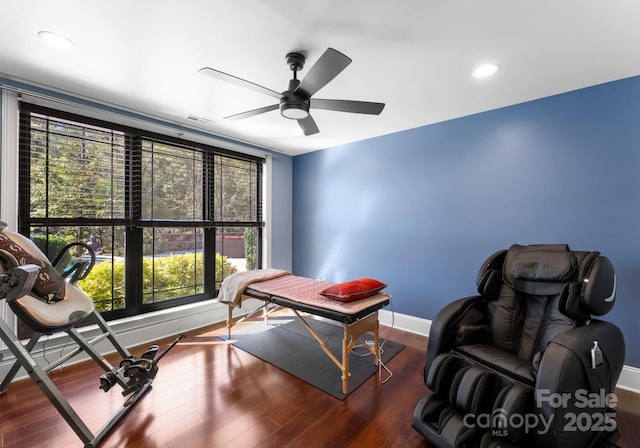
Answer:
(468, 401)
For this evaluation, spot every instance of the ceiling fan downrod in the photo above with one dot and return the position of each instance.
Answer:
(293, 104)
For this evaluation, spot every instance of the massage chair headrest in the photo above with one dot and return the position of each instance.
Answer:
(585, 280)
(539, 270)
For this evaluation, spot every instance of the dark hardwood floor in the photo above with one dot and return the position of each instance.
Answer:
(211, 394)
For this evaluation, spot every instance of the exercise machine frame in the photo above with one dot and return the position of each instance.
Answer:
(135, 375)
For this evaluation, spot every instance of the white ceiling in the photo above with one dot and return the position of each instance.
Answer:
(414, 55)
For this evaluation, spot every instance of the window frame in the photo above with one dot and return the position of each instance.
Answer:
(133, 220)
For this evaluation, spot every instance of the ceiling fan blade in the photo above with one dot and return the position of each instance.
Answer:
(308, 126)
(252, 113)
(356, 107)
(330, 64)
(238, 81)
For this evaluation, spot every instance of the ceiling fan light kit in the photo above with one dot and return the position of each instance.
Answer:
(296, 102)
(294, 109)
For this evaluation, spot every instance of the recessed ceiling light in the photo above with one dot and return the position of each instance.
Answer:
(57, 40)
(485, 70)
(199, 119)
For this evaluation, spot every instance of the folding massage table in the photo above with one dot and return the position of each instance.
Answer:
(302, 295)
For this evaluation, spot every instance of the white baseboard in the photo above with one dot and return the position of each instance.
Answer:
(405, 322)
(629, 378)
(153, 326)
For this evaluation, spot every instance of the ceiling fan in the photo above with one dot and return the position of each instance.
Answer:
(295, 102)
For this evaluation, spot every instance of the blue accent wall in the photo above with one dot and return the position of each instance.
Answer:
(422, 209)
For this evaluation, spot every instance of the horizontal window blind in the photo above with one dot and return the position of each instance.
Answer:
(75, 171)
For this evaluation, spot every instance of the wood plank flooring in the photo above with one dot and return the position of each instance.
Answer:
(211, 394)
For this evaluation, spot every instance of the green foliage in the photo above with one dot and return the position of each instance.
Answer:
(172, 179)
(235, 189)
(75, 169)
(172, 276)
(105, 285)
(163, 278)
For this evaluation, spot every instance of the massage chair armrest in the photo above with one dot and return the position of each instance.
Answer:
(572, 350)
(567, 385)
(445, 329)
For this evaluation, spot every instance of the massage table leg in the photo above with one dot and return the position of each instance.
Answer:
(352, 333)
(231, 321)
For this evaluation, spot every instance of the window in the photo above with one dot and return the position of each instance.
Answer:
(169, 219)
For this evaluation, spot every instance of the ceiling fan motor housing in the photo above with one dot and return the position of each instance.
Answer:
(294, 104)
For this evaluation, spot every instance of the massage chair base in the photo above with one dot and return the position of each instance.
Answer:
(444, 427)
(482, 402)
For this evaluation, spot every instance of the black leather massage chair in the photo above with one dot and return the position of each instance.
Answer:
(524, 363)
